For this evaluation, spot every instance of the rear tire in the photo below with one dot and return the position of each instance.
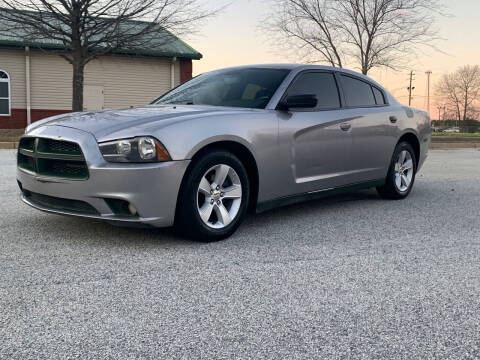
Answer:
(401, 173)
(213, 199)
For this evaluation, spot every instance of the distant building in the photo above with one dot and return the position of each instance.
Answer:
(35, 84)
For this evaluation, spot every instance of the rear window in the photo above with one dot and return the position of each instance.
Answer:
(357, 92)
(379, 98)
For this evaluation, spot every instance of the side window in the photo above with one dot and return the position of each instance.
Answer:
(379, 98)
(321, 84)
(4, 93)
(357, 92)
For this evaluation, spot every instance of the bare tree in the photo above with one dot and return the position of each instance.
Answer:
(88, 29)
(446, 88)
(369, 33)
(460, 90)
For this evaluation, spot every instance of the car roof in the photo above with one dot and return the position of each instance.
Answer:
(301, 67)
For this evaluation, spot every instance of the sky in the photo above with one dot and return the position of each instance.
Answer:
(233, 38)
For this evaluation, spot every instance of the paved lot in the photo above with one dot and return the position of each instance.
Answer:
(348, 277)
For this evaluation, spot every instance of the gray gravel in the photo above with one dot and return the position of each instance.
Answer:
(348, 277)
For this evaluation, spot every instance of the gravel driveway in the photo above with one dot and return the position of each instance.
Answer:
(347, 277)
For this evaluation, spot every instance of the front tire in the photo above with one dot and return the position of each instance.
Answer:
(213, 199)
(401, 173)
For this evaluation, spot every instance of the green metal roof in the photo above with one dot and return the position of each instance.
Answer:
(160, 43)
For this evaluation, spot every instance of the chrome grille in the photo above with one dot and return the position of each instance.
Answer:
(52, 158)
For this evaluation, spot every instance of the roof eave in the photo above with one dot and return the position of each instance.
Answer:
(52, 46)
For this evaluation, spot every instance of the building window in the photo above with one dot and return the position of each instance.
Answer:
(4, 94)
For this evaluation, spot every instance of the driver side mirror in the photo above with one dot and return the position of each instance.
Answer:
(306, 101)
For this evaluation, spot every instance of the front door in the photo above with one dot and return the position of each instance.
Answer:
(317, 141)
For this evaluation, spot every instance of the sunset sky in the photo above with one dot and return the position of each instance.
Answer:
(233, 38)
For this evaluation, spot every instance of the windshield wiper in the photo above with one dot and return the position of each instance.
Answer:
(179, 103)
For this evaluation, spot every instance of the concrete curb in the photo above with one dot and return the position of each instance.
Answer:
(454, 145)
(8, 145)
(9, 138)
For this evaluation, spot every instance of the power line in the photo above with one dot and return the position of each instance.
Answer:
(421, 96)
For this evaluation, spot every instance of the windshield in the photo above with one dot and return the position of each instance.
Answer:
(247, 88)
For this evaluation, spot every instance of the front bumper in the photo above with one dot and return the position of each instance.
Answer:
(152, 188)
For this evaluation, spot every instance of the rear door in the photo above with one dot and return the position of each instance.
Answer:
(373, 128)
(316, 141)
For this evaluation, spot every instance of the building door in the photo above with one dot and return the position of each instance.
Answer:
(93, 97)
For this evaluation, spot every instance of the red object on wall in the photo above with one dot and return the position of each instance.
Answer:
(18, 118)
(185, 70)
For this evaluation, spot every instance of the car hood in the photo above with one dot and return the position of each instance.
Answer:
(134, 121)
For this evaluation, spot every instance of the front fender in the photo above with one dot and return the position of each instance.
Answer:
(256, 131)
(216, 139)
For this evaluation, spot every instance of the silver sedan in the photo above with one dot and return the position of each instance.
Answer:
(226, 142)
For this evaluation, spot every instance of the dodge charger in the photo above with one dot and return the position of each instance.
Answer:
(222, 144)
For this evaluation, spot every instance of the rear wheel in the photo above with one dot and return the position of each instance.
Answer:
(401, 174)
(214, 197)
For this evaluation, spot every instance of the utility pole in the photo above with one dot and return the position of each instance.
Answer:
(428, 90)
(439, 112)
(410, 88)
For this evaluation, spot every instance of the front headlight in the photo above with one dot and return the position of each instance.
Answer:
(136, 150)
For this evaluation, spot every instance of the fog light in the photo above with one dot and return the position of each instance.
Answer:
(132, 209)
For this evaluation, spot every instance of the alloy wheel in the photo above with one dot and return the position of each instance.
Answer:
(219, 196)
(403, 171)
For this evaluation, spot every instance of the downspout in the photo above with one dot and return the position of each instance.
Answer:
(172, 72)
(27, 84)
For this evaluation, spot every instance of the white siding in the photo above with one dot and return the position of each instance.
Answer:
(177, 73)
(50, 81)
(127, 80)
(13, 62)
(130, 81)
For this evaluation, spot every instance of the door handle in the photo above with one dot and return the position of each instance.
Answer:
(345, 126)
(393, 119)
